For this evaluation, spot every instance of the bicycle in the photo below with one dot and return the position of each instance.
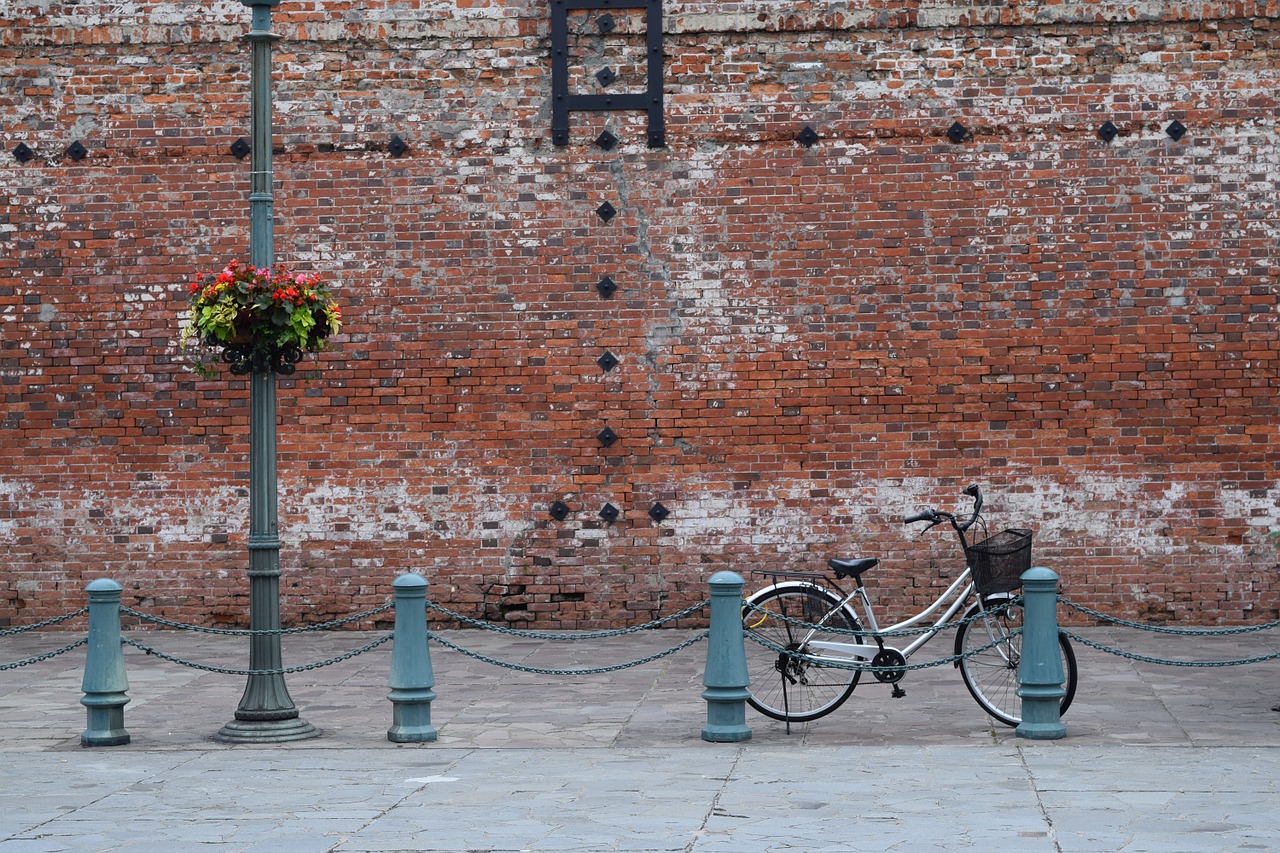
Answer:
(811, 646)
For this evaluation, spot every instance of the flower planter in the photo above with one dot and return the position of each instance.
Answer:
(260, 319)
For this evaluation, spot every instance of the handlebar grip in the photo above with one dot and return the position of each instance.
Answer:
(975, 493)
(927, 515)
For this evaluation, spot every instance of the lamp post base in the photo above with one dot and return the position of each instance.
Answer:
(267, 731)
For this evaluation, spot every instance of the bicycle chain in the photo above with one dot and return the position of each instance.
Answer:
(863, 633)
(882, 669)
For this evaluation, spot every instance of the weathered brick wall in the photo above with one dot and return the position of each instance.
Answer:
(811, 340)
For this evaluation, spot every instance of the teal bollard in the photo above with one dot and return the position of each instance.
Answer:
(411, 677)
(726, 676)
(105, 682)
(1040, 674)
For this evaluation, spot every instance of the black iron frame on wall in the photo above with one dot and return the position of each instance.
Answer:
(562, 102)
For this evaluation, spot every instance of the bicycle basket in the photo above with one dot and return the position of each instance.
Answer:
(997, 563)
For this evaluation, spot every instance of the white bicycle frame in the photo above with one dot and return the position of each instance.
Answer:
(961, 588)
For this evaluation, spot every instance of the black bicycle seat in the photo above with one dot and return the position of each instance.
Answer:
(852, 568)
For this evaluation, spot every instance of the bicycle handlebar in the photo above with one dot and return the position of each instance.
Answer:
(930, 515)
(975, 493)
(937, 516)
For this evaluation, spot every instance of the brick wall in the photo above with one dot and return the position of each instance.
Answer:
(811, 340)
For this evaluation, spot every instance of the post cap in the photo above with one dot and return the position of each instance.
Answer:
(409, 580)
(726, 578)
(104, 585)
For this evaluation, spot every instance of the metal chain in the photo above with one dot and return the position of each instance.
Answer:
(285, 671)
(588, 635)
(904, 632)
(1160, 629)
(906, 667)
(44, 657)
(240, 632)
(8, 632)
(1147, 659)
(702, 635)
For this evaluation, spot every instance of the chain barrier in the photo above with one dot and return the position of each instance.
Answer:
(9, 632)
(861, 667)
(46, 656)
(586, 635)
(1147, 659)
(285, 671)
(702, 635)
(1161, 629)
(243, 632)
(1015, 601)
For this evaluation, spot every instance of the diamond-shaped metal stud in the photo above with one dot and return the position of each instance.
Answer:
(957, 132)
(607, 362)
(607, 437)
(22, 153)
(1176, 130)
(76, 151)
(559, 510)
(240, 148)
(606, 287)
(605, 23)
(606, 211)
(605, 76)
(658, 512)
(397, 146)
(606, 140)
(807, 137)
(609, 513)
(1108, 131)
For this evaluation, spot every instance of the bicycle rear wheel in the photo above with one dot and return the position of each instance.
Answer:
(992, 674)
(784, 686)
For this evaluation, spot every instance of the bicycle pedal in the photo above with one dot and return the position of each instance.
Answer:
(898, 692)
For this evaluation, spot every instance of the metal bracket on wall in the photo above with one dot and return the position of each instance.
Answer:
(562, 102)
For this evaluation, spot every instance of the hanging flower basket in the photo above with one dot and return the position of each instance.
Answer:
(259, 319)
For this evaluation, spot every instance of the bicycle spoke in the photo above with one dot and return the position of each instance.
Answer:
(783, 685)
(992, 673)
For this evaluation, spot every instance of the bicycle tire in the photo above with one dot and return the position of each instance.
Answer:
(783, 686)
(992, 675)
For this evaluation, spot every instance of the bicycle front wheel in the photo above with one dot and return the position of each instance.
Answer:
(784, 685)
(992, 674)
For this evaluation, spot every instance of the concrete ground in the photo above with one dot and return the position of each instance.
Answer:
(1156, 758)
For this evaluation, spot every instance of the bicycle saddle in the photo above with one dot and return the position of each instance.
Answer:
(852, 568)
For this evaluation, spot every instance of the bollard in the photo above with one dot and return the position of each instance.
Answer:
(1040, 674)
(105, 682)
(726, 676)
(411, 676)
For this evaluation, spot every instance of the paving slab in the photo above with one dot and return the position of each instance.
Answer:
(1156, 758)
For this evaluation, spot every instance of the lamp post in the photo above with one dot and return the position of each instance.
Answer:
(266, 713)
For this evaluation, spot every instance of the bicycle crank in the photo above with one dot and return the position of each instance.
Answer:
(888, 658)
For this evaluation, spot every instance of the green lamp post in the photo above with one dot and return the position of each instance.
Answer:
(266, 713)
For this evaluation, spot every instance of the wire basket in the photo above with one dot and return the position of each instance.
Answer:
(997, 563)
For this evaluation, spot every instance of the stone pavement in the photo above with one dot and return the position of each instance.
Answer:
(1156, 758)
